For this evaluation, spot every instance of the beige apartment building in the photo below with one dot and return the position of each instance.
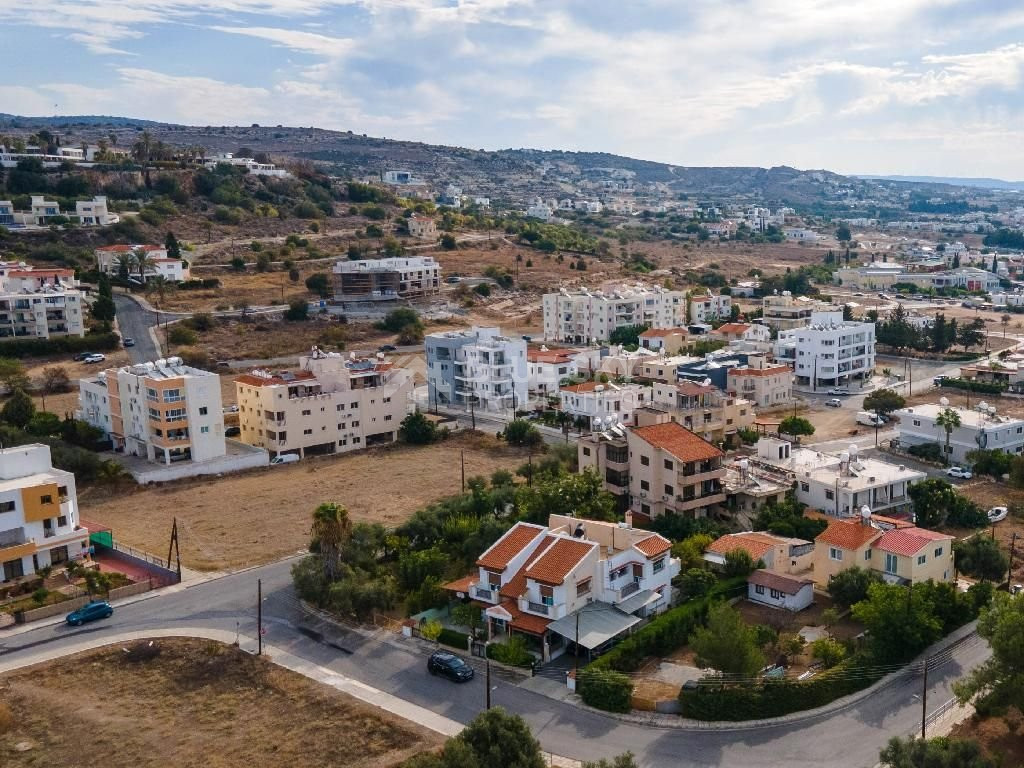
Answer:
(332, 404)
(766, 385)
(703, 408)
(786, 311)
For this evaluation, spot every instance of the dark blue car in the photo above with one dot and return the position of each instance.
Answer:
(97, 609)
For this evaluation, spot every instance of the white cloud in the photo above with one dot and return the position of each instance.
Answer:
(296, 40)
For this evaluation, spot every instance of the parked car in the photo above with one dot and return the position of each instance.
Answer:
(1016, 589)
(80, 356)
(961, 472)
(223, 364)
(449, 665)
(284, 458)
(95, 357)
(869, 419)
(839, 391)
(91, 611)
(858, 293)
(232, 431)
(127, 341)
(883, 296)
(997, 514)
(230, 409)
(937, 381)
(835, 402)
(387, 348)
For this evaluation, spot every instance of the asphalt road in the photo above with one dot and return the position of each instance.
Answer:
(849, 739)
(134, 322)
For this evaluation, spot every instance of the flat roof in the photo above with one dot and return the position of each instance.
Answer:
(968, 417)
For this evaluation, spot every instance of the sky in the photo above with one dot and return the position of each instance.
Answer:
(921, 87)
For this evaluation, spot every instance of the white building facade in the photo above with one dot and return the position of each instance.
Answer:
(39, 303)
(478, 368)
(583, 316)
(829, 351)
(981, 427)
(603, 405)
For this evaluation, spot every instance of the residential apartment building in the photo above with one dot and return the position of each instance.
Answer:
(660, 369)
(602, 405)
(584, 316)
(668, 341)
(42, 211)
(331, 404)
(109, 259)
(828, 352)
(839, 485)
(387, 279)
(163, 411)
(571, 580)
(709, 307)
(980, 427)
(479, 367)
(39, 303)
(703, 408)
(39, 523)
(94, 212)
(6, 213)
(784, 311)
(547, 369)
(780, 554)
(766, 385)
(901, 554)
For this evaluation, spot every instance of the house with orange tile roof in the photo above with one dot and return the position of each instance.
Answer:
(779, 554)
(109, 259)
(668, 341)
(535, 579)
(767, 385)
(902, 555)
(703, 408)
(601, 405)
(331, 404)
(547, 369)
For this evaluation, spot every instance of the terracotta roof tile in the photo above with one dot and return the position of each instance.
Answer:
(652, 333)
(461, 585)
(276, 380)
(548, 356)
(555, 562)
(775, 370)
(525, 622)
(848, 534)
(785, 584)
(586, 386)
(654, 545)
(508, 546)
(733, 328)
(908, 541)
(677, 440)
(516, 586)
(693, 389)
(757, 548)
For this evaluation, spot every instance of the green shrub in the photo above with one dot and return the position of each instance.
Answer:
(454, 639)
(91, 342)
(926, 451)
(512, 652)
(604, 689)
(179, 335)
(972, 385)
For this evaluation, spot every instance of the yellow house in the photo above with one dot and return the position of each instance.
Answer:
(902, 555)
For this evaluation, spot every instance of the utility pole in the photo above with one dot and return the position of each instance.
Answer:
(529, 483)
(576, 651)
(472, 409)
(463, 456)
(1013, 546)
(924, 699)
(488, 663)
(259, 617)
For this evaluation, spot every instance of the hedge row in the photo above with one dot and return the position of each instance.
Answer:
(604, 689)
(454, 639)
(970, 385)
(194, 285)
(774, 698)
(91, 342)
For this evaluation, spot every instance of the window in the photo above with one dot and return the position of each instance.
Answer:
(341, 406)
(669, 490)
(917, 422)
(645, 461)
(805, 487)
(355, 424)
(62, 521)
(46, 499)
(921, 559)
(659, 565)
(586, 451)
(6, 506)
(775, 594)
(891, 562)
(151, 394)
(645, 509)
(583, 587)
(547, 596)
(938, 552)
(644, 485)
(356, 440)
(306, 413)
(307, 431)
(388, 417)
(835, 554)
(668, 464)
(867, 554)
(354, 405)
(203, 410)
(172, 395)
(204, 430)
(759, 589)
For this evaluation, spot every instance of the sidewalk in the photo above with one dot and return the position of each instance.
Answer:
(354, 688)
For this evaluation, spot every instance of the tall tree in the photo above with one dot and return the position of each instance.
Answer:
(980, 556)
(971, 335)
(331, 530)
(884, 401)
(949, 420)
(1000, 680)
(901, 621)
(18, 410)
(172, 246)
(727, 644)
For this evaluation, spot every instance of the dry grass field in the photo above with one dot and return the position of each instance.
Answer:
(195, 703)
(258, 516)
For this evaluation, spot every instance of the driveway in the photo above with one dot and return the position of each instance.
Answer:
(848, 739)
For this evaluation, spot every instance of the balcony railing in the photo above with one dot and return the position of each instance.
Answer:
(629, 589)
(483, 594)
(538, 608)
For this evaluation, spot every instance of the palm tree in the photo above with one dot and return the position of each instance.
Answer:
(142, 263)
(949, 420)
(331, 530)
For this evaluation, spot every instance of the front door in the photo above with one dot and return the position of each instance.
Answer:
(13, 569)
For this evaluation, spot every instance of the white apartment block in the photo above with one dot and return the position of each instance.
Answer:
(39, 303)
(110, 257)
(584, 316)
(163, 411)
(980, 427)
(786, 311)
(839, 485)
(87, 213)
(387, 279)
(250, 165)
(709, 307)
(571, 580)
(603, 405)
(829, 351)
(332, 404)
(39, 523)
(477, 368)
(546, 369)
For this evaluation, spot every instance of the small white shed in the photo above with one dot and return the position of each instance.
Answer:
(780, 591)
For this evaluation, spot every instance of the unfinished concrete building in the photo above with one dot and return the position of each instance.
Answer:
(387, 279)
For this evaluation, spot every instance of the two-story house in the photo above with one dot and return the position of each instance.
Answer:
(571, 580)
(780, 554)
(703, 408)
(601, 404)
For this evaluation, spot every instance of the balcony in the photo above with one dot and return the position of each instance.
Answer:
(17, 551)
(483, 594)
(629, 589)
(540, 608)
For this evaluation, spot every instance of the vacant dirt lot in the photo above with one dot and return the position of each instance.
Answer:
(195, 703)
(251, 518)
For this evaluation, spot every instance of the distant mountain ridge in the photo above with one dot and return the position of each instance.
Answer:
(956, 181)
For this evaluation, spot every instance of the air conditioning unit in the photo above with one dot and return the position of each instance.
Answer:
(643, 494)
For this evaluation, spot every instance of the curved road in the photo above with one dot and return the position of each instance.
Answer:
(850, 739)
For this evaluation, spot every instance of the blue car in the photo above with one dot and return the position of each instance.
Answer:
(97, 609)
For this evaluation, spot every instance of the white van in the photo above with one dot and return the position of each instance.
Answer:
(284, 458)
(869, 419)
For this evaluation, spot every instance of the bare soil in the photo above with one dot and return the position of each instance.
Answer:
(194, 703)
(1001, 738)
(258, 516)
